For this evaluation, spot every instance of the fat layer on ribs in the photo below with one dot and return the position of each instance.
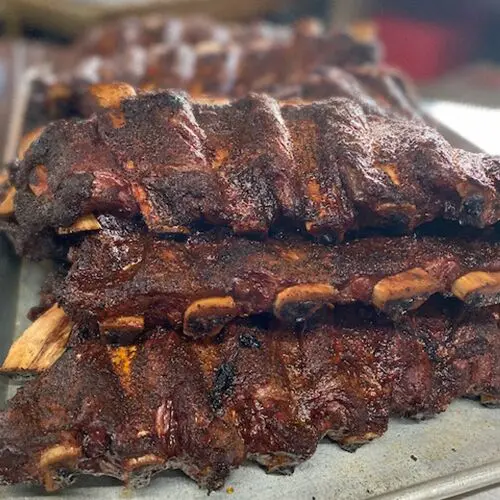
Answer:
(125, 281)
(256, 392)
(327, 166)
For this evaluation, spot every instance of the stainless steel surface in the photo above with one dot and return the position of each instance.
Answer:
(452, 454)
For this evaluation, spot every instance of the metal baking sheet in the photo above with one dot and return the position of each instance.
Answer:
(454, 453)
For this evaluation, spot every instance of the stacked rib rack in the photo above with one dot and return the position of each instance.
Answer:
(238, 280)
(301, 62)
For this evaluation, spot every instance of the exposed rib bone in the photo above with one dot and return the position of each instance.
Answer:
(490, 400)
(7, 204)
(405, 291)
(478, 288)
(40, 345)
(59, 455)
(85, 223)
(111, 95)
(127, 328)
(27, 140)
(207, 317)
(299, 302)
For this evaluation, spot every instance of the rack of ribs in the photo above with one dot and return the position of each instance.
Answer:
(202, 61)
(220, 69)
(264, 393)
(378, 89)
(125, 281)
(344, 48)
(327, 168)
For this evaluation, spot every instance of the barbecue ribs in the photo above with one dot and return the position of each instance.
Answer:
(124, 280)
(340, 48)
(379, 90)
(326, 166)
(204, 62)
(219, 69)
(258, 392)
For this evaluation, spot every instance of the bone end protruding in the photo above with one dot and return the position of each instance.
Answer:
(111, 95)
(138, 470)
(352, 443)
(124, 329)
(27, 140)
(479, 288)
(85, 223)
(490, 400)
(405, 291)
(299, 302)
(51, 459)
(7, 205)
(148, 460)
(41, 345)
(207, 317)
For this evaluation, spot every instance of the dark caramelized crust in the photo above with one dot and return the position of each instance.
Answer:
(260, 393)
(326, 166)
(379, 90)
(211, 278)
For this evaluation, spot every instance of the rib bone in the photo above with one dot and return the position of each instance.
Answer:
(7, 203)
(404, 291)
(27, 140)
(478, 288)
(126, 327)
(110, 96)
(207, 317)
(40, 345)
(62, 455)
(299, 302)
(83, 224)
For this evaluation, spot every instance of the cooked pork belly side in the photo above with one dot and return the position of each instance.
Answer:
(327, 166)
(265, 393)
(124, 281)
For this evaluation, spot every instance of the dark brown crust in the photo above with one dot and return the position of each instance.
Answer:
(261, 393)
(377, 89)
(211, 278)
(327, 167)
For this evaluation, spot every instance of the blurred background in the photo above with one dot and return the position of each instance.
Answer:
(449, 48)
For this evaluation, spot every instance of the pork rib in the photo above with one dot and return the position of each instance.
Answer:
(222, 72)
(327, 167)
(341, 48)
(379, 90)
(203, 57)
(126, 281)
(260, 393)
